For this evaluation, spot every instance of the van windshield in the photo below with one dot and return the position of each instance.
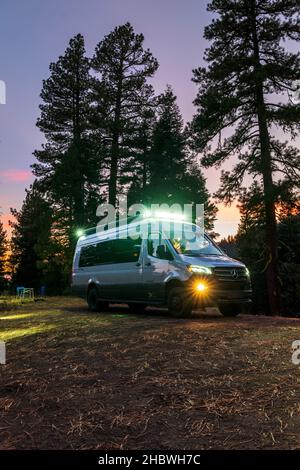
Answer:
(195, 244)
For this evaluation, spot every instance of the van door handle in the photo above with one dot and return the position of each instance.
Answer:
(138, 264)
(148, 263)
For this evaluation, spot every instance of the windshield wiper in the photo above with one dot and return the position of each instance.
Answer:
(190, 253)
(213, 254)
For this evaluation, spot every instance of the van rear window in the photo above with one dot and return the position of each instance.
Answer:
(110, 252)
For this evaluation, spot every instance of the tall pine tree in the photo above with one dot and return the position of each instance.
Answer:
(174, 176)
(121, 93)
(68, 168)
(168, 156)
(247, 68)
(37, 256)
(32, 223)
(250, 241)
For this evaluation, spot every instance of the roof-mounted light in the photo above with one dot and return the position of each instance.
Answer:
(80, 232)
(166, 215)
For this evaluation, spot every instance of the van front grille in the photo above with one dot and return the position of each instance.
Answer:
(230, 274)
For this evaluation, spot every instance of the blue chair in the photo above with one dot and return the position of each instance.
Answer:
(20, 291)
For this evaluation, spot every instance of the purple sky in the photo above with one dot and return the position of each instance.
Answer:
(33, 33)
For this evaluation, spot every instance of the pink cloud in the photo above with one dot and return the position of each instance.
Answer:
(15, 175)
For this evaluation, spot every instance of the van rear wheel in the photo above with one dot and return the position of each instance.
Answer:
(94, 304)
(230, 310)
(179, 303)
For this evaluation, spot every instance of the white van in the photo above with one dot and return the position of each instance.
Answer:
(121, 266)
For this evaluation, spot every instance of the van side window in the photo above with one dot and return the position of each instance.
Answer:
(103, 253)
(110, 252)
(158, 248)
(126, 250)
(87, 256)
(92, 255)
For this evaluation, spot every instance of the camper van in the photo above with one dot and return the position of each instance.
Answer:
(142, 264)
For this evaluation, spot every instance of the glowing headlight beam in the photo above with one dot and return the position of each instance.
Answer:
(201, 287)
(200, 269)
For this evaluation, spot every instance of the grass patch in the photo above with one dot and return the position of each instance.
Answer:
(118, 380)
(8, 303)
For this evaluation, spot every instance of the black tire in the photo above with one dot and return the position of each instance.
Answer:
(230, 310)
(137, 308)
(179, 303)
(95, 305)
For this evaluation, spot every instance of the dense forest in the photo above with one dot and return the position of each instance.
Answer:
(107, 133)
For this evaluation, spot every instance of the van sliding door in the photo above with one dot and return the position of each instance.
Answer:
(156, 267)
(126, 271)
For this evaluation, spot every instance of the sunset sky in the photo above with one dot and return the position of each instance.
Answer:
(34, 33)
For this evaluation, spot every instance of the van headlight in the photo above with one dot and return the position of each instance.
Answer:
(199, 269)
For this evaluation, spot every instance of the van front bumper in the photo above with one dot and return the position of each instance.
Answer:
(228, 297)
(238, 292)
(233, 296)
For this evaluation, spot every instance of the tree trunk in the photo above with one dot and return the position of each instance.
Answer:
(270, 215)
(113, 181)
(273, 285)
(78, 157)
(112, 185)
(144, 174)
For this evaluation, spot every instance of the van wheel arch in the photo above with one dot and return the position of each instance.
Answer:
(93, 299)
(92, 285)
(171, 285)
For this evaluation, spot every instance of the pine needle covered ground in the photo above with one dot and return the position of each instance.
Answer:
(77, 380)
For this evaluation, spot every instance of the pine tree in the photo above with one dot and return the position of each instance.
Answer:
(3, 255)
(252, 247)
(120, 95)
(229, 245)
(68, 168)
(38, 257)
(139, 165)
(168, 156)
(174, 177)
(247, 67)
(289, 256)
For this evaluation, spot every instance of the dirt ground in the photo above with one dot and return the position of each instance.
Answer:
(116, 380)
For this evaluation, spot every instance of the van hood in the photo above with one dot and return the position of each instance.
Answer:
(212, 261)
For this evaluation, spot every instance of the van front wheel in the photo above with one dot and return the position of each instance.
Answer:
(179, 303)
(230, 310)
